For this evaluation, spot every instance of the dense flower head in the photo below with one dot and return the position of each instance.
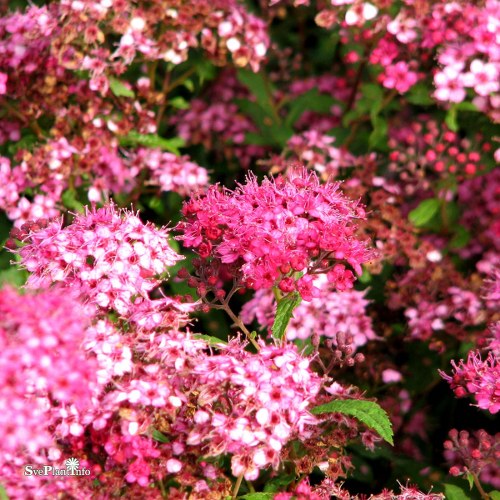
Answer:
(42, 361)
(428, 145)
(315, 150)
(478, 377)
(331, 312)
(266, 404)
(109, 256)
(171, 172)
(262, 235)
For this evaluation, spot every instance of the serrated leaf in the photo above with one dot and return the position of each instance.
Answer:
(159, 436)
(453, 492)
(424, 212)
(213, 341)
(284, 313)
(368, 412)
(120, 89)
(133, 138)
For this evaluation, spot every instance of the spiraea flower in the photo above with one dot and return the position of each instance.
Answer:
(265, 405)
(40, 338)
(280, 233)
(326, 315)
(478, 377)
(109, 256)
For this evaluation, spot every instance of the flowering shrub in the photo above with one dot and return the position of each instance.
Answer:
(250, 249)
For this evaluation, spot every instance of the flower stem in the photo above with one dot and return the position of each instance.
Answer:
(483, 493)
(237, 486)
(239, 324)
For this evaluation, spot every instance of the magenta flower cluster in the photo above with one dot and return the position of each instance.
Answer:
(263, 235)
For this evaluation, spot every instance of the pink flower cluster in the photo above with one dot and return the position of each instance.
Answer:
(265, 405)
(42, 361)
(477, 453)
(478, 377)
(219, 27)
(326, 315)
(430, 316)
(425, 145)
(262, 235)
(109, 256)
(315, 150)
(171, 172)
(471, 56)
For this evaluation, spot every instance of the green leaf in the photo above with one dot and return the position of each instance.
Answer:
(460, 238)
(179, 103)
(494, 495)
(424, 212)
(310, 101)
(467, 106)
(189, 84)
(3, 493)
(419, 94)
(277, 133)
(158, 436)
(71, 202)
(451, 118)
(372, 91)
(365, 277)
(278, 483)
(470, 478)
(259, 87)
(453, 492)
(13, 276)
(209, 339)
(368, 412)
(26, 142)
(259, 139)
(120, 89)
(283, 314)
(133, 138)
(378, 138)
